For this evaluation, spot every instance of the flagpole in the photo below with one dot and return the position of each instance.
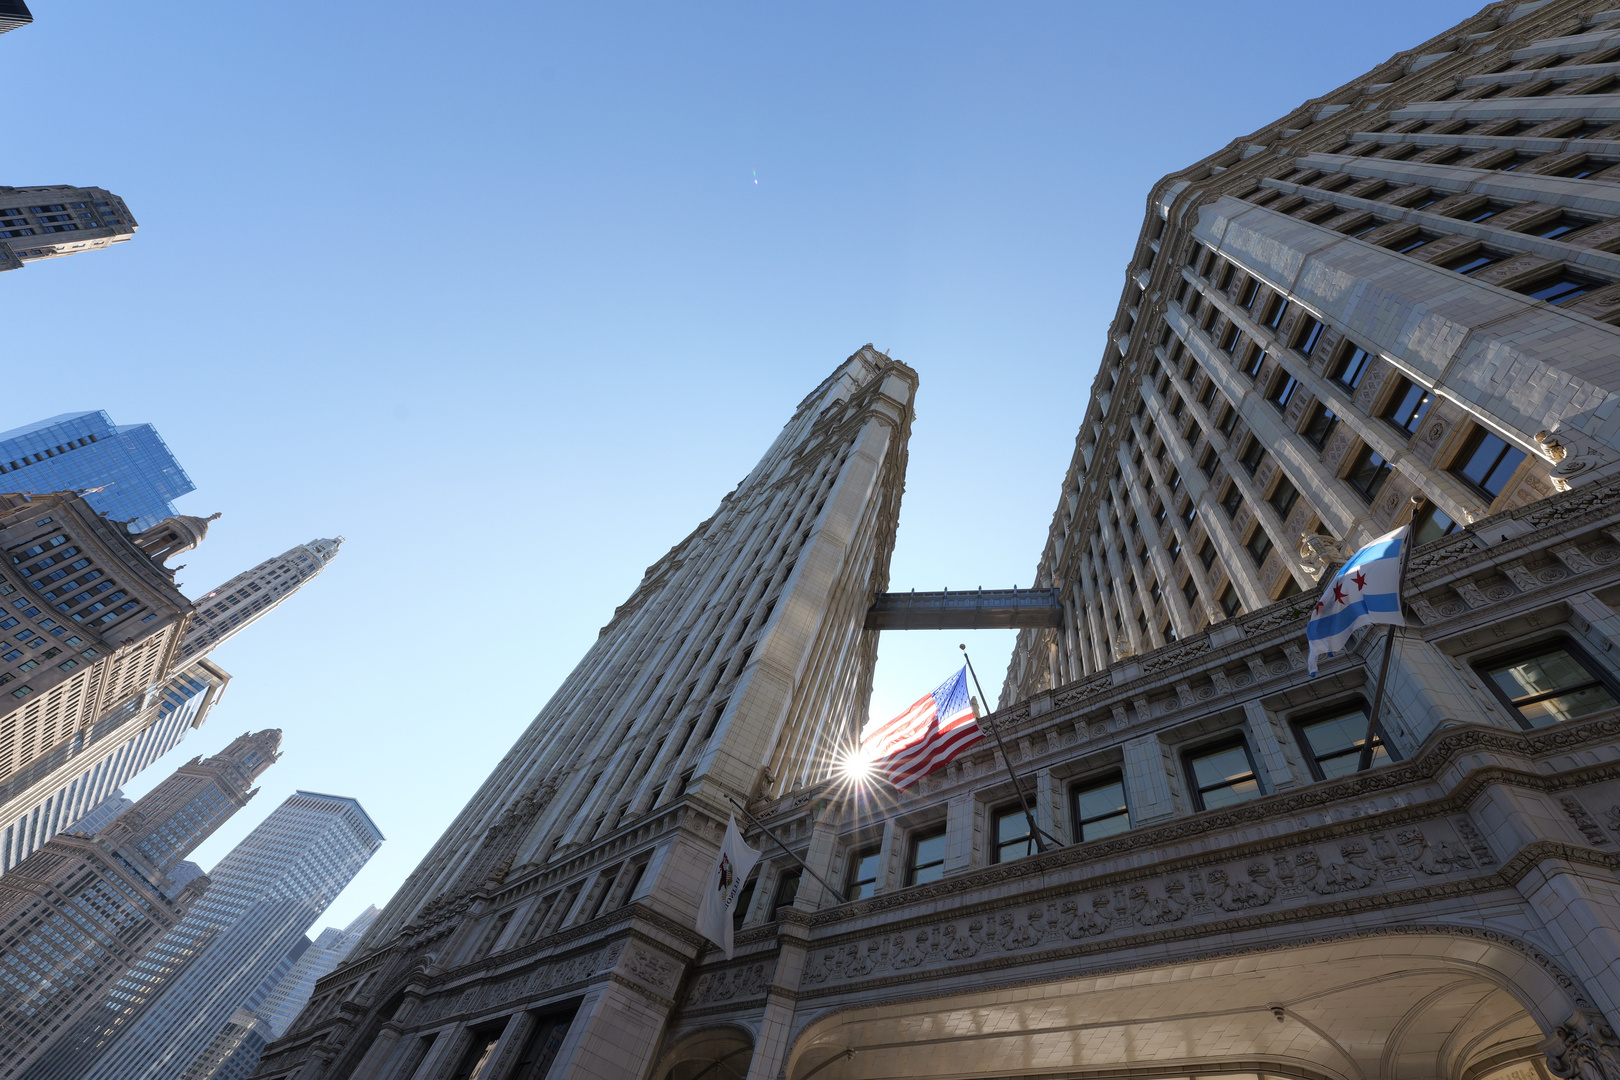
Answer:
(785, 848)
(1035, 831)
(1365, 762)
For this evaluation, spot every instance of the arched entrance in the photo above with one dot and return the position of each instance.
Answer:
(720, 1053)
(1385, 1006)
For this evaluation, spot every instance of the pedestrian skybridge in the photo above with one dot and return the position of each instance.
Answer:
(981, 609)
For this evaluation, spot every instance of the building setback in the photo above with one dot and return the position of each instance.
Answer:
(229, 952)
(125, 471)
(1402, 287)
(58, 219)
(77, 913)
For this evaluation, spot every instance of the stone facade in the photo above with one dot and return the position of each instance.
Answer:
(1227, 895)
(58, 219)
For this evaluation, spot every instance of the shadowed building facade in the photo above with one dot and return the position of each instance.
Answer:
(1405, 286)
(77, 913)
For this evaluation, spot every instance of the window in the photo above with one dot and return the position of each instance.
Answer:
(1013, 839)
(1189, 513)
(1252, 454)
(1231, 339)
(1250, 289)
(1207, 394)
(1487, 462)
(1562, 225)
(1368, 472)
(1279, 308)
(1352, 367)
(1229, 419)
(1319, 427)
(1206, 554)
(1255, 361)
(1259, 545)
(1222, 775)
(927, 862)
(1282, 390)
(1474, 263)
(1229, 601)
(1552, 684)
(1283, 497)
(1332, 744)
(787, 890)
(744, 899)
(1099, 808)
(863, 874)
(1208, 462)
(1559, 290)
(1407, 405)
(1431, 523)
(1173, 547)
(1189, 589)
(1231, 500)
(1310, 332)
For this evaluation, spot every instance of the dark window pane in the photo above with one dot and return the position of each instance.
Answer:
(1353, 367)
(1550, 687)
(1431, 524)
(1368, 473)
(927, 859)
(1013, 840)
(1407, 408)
(1335, 744)
(1487, 462)
(863, 875)
(1100, 810)
(1224, 776)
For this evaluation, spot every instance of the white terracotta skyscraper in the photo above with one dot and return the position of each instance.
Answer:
(249, 595)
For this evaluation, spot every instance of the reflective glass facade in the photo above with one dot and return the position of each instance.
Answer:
(74, 451)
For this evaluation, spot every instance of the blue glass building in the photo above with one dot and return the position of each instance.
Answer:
(132, 465)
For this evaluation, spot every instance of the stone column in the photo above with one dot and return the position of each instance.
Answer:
(1147, 785)
(959, 834)
(613, 1037)
(776, 1026)
(1267, 748)
(509, 1048)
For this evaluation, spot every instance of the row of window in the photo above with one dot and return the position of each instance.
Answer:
(1552, 683)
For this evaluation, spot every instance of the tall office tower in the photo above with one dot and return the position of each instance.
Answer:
(1220, 890)
(77, 913)
(91, 619)
(51, 794)
(59, 219)
(283, 1004)
(1405, 287)
(126, 470)
(235, 1050)
(230, 949)
(739, 667)
(252, 593)
(14, 13)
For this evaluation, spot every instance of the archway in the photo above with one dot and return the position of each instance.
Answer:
(1411, 1005)
(718, 1053)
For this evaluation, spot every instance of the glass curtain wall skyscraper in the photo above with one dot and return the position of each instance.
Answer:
(134, 469)
(230, 949)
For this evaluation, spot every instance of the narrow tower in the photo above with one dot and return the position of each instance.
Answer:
(252, 593)
(78, 912)
(736, 669)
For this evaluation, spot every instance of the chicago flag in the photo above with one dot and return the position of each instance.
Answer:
(1366, 590)
(924, 737)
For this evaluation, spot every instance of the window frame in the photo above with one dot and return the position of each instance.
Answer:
(914, 842)
(857, 856)
(1000, 812)
(1470, 447)
(1298, 724)
(1601, 676)
(1215, 747)
(1092, 783)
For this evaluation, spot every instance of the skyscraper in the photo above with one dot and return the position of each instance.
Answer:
(59, 219)
(92, 621)
(252, 593)
(1404, 285)
(235, 1050)
(228, 952)
(126, 470)
(283, 1004)
(51, 794)
(102, 813)
(77, 913)
(14, 13)
(738, 667)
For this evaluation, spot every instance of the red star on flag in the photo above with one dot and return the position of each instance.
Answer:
(1360, 579)
(1338, 592)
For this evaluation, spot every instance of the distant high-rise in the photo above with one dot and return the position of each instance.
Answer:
(59, 788)
(78, 912)
(103, 813)
(252, 593)
(292, 992)
(57, 219)
(235, 1050)
(14, 13)
(126, 470)
(225, 955)
(92, 622)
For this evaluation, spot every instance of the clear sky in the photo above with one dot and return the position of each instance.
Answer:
(510, 294)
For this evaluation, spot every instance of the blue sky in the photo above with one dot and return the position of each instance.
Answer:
(492, 291)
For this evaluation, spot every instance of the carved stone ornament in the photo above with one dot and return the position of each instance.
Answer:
(1555, 450)
(1584, 1047)
(1318, 552)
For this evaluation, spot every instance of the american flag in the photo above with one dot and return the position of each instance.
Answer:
(924, 737)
